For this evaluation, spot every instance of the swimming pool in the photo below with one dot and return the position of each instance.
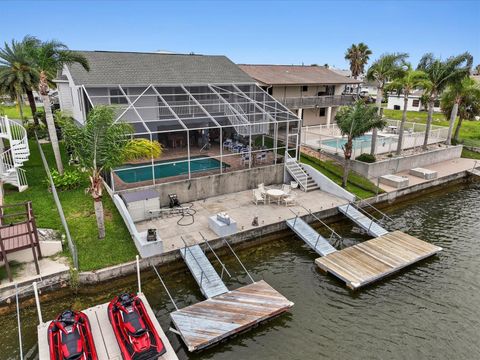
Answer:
(167, 168)
(361, 142)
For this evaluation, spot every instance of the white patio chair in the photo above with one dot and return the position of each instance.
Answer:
(261, 187)
(286, 189)
(258, 197)
(289, 199)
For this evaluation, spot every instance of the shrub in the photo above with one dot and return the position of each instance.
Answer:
(71, 179)
(41, 131)
(366, 158)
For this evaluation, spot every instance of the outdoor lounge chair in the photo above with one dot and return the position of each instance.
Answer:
(258, 197)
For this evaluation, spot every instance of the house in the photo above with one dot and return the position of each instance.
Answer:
(208, 114)
(313, 92)
(395, 102)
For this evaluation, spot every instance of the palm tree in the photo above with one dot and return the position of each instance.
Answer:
(17, 75)
(50, 57)
(461, 98)
(354, 121)
(358, 56)
(101, 145)
(385, 68)
(442, 73)
(408, 81)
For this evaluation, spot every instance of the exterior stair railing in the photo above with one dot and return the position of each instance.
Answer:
(13, 157)
(297, 172)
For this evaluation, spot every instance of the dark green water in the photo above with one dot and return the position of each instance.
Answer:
(429, 311)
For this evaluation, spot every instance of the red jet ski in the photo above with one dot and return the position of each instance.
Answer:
(133, 328)
(70, 337)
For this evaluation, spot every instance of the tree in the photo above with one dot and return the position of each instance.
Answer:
(405, 83)
(48, 58)
(461, 98)
(17, 75)
(358, 56)
(354, 121)
(442, 73)
(101, 145)
(385, 68)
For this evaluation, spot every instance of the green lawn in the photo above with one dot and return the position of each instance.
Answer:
(357, 184)
(469, 132)
(93, 253)
(12, 111)
(470, 154)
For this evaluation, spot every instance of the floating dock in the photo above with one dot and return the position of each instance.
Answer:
(312, 238)
(206, 323)
(203, 272)
(375, 259)
(366, 223)
(103, 336)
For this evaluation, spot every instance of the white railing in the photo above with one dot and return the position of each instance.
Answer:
(14, 157)
(330, 139)
(297, 172)
(239, 123)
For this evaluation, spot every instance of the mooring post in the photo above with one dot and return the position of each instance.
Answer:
(138, 275)
(37, 301)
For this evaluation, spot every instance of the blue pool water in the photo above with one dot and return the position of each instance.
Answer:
(167, 168)
(361, 142)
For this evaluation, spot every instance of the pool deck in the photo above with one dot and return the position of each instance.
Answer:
(241, 208)
(444, 169)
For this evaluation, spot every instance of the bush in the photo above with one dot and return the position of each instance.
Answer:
(41, 131)
(71, 179)
(366, 158)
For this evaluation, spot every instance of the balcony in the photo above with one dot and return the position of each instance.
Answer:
(306, 102)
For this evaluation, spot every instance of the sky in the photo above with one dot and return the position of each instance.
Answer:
(263, 32)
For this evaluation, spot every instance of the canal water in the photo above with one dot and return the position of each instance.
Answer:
(429, 311)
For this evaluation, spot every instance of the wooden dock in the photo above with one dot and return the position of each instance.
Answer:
(367, 224)
(103, 336)
(206, 323)
(312, 238)
(202, 270)
(375, 259)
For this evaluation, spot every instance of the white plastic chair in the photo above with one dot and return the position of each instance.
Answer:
(258, 197)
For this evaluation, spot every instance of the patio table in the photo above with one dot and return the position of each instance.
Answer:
(275, 194)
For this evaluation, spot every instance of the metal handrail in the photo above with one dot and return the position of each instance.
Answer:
(241, 264)
(216, 256)
(374, 208)
(165, 287)
(290, 160)
(333, 232)
(194, 258)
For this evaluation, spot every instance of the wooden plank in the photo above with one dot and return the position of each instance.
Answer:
(375, 259)
(208, 322)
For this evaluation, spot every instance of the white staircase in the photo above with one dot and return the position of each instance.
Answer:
(295, 169)
(12, 159)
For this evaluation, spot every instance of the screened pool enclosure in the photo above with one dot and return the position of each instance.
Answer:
(205, 129)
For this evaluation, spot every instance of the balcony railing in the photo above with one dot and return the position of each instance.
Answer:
(318, 101)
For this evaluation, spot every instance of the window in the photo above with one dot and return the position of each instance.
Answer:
(304, 88)
(396, 107)
(270, 90)
(322, 112)
(416, 103)
(117, 97)
(436, 103)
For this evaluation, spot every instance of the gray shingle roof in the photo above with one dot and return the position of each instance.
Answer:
(130, 68)
(295, 75)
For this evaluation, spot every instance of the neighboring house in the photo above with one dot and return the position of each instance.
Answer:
(395, 102)
(313, 92)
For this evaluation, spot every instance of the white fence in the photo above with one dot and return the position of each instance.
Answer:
(330, 139)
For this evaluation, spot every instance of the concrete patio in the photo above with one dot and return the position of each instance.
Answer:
(241, 209)
(444, 169)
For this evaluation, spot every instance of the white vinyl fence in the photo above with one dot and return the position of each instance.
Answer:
(329, 138)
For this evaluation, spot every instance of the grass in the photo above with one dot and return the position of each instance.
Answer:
(12, 111)
(469, 132)
(15, 267)
(469, 154)
(93, 253)
(357, 184)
